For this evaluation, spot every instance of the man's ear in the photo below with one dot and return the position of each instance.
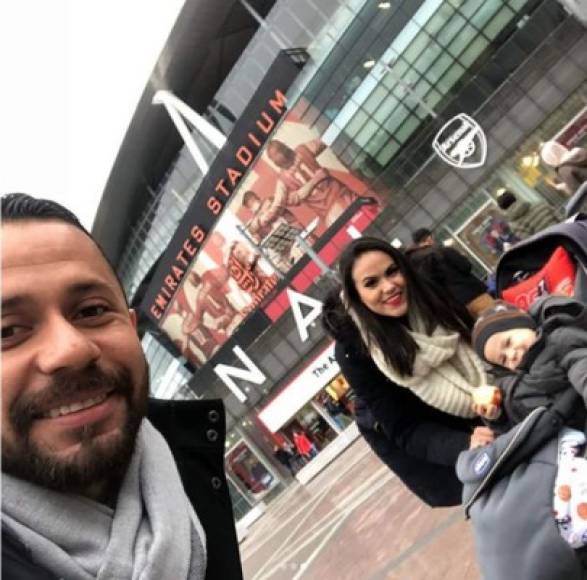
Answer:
(133, 317)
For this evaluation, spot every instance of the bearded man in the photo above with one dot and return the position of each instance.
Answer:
(91, 488)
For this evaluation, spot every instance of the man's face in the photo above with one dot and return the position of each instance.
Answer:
(244, 255)
(254, 204)
(508, 348)
(427, 242)
(281, 155)
(74, 377)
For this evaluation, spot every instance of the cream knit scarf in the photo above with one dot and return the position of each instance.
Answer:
(446, 369)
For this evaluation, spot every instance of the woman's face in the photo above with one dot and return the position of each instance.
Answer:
(380, 284)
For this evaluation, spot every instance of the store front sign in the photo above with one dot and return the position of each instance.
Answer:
(461, 143)
(313, 378)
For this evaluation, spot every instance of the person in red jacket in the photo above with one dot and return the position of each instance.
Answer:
(304, 446)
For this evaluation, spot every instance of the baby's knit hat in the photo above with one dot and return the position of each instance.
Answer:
(498, 318)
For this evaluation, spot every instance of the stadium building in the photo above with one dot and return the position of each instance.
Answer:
(270, 134)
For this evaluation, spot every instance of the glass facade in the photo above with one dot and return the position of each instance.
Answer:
(383, 78)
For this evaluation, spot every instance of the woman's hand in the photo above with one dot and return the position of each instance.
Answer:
(481, 436)
(489, 412)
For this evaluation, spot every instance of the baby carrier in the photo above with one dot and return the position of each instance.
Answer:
(508, 485)
(551, 261)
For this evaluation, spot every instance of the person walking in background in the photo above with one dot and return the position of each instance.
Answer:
(449, 269)
(423, 238)
(570, 165)
(304, 446)
(335, 409)
(285, 457)
(525, 219)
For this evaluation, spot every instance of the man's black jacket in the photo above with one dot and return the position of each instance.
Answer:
(195, 432)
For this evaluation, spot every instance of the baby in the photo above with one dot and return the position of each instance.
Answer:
(545, 353)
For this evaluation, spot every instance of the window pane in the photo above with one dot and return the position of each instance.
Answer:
(366, 133)
(387, 106)
(449, 79)
(375, 99)
(428, 57)
(433, 98)
(465, 36)
(388, 152)
(470, 7)
(398, 70)
(356, 123)
(452, 28)
(396, 118)
(485, 12)
(498, 23)
(379, 140)
(422, 87)
(440, 19)
(408, 127)
(517, 4)
(435, 72)
(416, 47)
(473, 51)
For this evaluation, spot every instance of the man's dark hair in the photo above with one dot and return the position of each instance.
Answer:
(420, 235)
(505, 199)
(249, 196)
(21, 207)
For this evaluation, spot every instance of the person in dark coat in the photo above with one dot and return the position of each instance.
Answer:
(285, 457)
(449, 269)
(419, 443)
(524, 218)
(94, 475)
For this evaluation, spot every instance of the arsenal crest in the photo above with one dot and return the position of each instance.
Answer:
(461, 143)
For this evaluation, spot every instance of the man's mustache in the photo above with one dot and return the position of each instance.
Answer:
(64, 386)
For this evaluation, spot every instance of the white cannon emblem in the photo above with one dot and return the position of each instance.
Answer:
(461, 143)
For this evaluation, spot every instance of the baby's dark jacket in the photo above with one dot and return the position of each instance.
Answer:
(555, 363)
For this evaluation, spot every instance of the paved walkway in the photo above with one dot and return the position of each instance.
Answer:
(356, 521)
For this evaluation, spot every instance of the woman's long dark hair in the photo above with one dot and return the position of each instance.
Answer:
(430, 301)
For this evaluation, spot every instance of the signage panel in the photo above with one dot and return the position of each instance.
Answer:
(293, 397)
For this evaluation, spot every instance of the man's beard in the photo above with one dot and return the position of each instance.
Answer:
(95, 463)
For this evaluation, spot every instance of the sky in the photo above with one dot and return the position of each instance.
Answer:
(72, 73)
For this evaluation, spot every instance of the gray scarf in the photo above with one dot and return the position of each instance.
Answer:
(152, 534)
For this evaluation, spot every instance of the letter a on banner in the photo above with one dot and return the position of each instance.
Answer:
(178, 110)
(251, 373)
(302, 323)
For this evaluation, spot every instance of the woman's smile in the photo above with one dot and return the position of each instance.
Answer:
(380, 284)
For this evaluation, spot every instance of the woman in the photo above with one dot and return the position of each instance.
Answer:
(422, 440)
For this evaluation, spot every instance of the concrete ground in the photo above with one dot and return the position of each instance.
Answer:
(356, 521)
